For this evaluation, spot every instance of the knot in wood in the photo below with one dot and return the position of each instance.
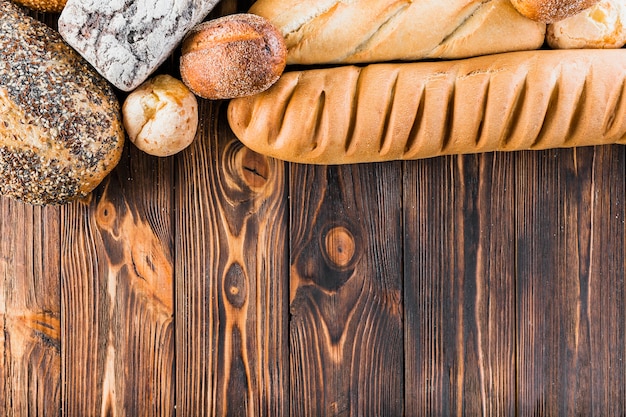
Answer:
(235, 288)
(255, 169)
(106, 215)
(340, 246)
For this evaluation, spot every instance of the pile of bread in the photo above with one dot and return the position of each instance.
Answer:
(399, 79)
(322, 82)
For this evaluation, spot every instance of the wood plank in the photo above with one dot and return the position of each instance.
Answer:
(346, 336)
(571, 310)
(459, 285)
(232, 269)
(117, 322)
(30, 372)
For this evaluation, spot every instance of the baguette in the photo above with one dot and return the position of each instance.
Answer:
(368, 31)
(394, 111)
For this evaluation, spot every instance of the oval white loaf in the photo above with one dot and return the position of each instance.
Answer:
(381, 112)
(360, 31)
(60, 125)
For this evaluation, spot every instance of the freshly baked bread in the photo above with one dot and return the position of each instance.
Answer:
(46, 6)
(364, 31)
(391, 111)
(603, 25)
(232, 56)
(60, 127)
(161, 116)
(550, 11)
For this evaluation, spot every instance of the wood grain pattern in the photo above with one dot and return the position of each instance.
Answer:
(117, 299)
(231, 269)
(223, 283)
(571, 310)
(459, 286)
(346, 341)
(29, 310)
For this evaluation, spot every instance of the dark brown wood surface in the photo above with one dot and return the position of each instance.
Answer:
(219, 282)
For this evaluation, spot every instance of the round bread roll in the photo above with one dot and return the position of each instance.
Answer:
(600, 26)
(550, 11)
(161, 116)
(46, 6)
(61, 129)
(232, 56)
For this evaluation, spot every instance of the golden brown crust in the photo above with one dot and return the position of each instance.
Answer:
(232, 56)
(368, 31)
(382, 112)
(550, 11)
(46, 6)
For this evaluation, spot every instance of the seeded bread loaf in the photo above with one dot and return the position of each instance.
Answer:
(380, 112)
(48, 6)
(60, 125)
(364, 31)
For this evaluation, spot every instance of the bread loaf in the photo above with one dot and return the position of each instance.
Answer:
(232, 56)
(365, 31)
(601, 26)
(550, 11)
(391, 111)
(47, 6)
(60, 126)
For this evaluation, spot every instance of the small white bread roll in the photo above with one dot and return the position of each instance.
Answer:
(601, 26)
(161, 116)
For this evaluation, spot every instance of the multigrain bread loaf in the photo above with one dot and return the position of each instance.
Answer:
(60, 127)
(334, 31)
(392, 111)
(48, 6)
(601, 26)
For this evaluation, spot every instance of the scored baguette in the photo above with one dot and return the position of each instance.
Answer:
(368, 31)
(393, 111)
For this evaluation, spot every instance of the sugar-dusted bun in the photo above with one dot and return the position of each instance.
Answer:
(232, 56)
(603, 25)
(550, 11)
(47, 6)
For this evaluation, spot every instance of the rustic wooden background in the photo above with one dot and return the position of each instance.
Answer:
(219, 282)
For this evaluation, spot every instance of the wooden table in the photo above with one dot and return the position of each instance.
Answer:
(220, 282)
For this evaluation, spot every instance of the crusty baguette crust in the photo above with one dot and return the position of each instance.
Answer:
(393, 111)
(368, 31)
(61, 131)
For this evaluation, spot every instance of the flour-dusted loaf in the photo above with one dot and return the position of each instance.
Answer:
(392, 111)
(336, 31)
(60, 126)
(127, 40)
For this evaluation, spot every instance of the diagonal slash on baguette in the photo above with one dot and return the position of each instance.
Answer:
(392, 111)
